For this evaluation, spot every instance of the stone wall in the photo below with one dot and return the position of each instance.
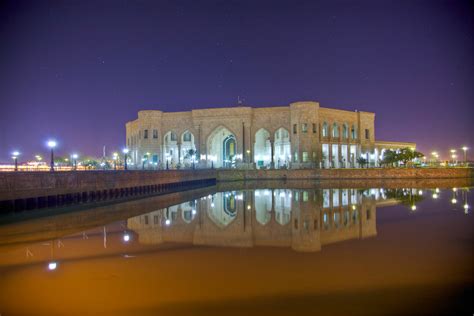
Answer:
(14, 185)
(338, 174)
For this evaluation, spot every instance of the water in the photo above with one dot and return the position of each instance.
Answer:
(247, 248)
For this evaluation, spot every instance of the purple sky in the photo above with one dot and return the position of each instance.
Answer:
(78, 70)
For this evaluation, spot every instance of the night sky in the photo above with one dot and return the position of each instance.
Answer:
(77, 71)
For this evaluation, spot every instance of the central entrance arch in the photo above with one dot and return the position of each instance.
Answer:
(222, 148)
(262, 149)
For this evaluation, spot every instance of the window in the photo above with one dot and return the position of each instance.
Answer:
(305, 196)
(335, 130)
(314, 128)
(173, 137)
(296, 156)
(146, 219)
(345, 131)
(187, 137)
(315, 224)
(325, 129)
(139, 134)
(155, 133)
(155, 219)
(128, 142)
(296, 223)
(353, 132)
(155, 159)
(367, 133)
(368, 214)
(304, 128)
(145, 134)
(305, 156)
(295, 127)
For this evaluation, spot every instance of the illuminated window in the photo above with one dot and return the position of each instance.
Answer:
(304, 128)
(325, 129)
(305, 156)
(335, 130)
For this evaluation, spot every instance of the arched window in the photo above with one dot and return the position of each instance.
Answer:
(187, 137)
(325, 131)
(335, 130)
(345, 131)
(353, 132)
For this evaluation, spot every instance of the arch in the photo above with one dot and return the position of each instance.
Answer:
(222, 148)
(222, 208)
(263, 205)
(345, 131)
(188, 148)
(282, 206)
(170, 150)
(335, 130)
(262, 149)
(325, 130)
(188, 211)
(282, 148)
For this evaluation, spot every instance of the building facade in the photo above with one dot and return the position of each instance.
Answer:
(301, 135)
(304, 220)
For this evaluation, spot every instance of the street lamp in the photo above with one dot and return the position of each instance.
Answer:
(52, 144)
(453, 152)
(115, 155)
(15, 155)
(464, 148)
(74, 157)
(125, 152)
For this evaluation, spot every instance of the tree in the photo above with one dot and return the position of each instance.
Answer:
(362, 161)
(390, 157)
(408, 154)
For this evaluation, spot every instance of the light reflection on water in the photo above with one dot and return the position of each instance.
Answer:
(304, 221)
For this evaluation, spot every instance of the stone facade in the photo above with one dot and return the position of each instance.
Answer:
(301, 135)
(303, 220)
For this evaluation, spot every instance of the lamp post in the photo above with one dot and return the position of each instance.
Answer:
(15, 155)
(453, 154)
(464, 148)
(115, 156)
(52, 144)
(125, 152)
(74, 157)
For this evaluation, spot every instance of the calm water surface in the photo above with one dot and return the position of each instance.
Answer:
(282, 249)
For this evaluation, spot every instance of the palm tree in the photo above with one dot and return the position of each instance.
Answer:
(362, 161)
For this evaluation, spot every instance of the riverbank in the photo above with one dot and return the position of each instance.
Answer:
(341, 174)
(31, 190)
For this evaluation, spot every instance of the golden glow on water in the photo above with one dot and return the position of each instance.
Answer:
(336, 251)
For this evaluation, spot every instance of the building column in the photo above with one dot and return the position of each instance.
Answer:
(330, 155)
(179, 153)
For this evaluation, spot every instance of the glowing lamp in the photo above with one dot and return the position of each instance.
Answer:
(51, 143)
(52, 266)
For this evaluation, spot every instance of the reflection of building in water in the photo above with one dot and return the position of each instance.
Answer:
(301, 219)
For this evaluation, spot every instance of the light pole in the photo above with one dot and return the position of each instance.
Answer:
(125, 152)
(464, 148)
(52, 144)
(115, 160)
(74, 157)
(453, 154)
(15, 155)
